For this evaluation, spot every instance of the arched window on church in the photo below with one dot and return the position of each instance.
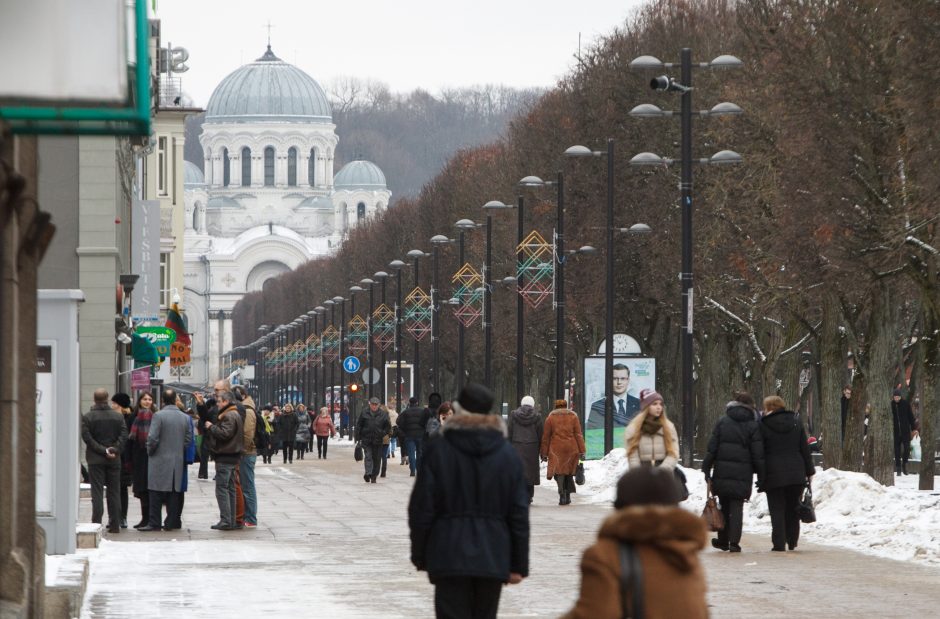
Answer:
(311, 168)
(360, 211)
(226, 168)
(246, 167)
(292, 166)
(269, 166)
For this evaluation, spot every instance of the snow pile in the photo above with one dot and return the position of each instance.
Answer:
(852, 510)
(52, 568)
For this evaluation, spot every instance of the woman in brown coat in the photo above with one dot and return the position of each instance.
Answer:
(666, 540)
(563, 447)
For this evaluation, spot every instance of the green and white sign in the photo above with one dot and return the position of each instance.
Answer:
(161, 338)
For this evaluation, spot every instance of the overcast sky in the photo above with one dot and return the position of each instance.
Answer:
(407, 44)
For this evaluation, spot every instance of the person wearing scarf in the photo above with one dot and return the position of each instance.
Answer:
(140, 429)
(651, 439)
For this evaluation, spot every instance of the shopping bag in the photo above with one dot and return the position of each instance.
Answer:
(357, 452)
(915, 448)
(713, 517)
(805, 509)
(579, 474)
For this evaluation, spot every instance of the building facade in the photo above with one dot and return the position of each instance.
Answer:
(265, 199)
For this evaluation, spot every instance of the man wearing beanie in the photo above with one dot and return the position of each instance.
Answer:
(469, 511)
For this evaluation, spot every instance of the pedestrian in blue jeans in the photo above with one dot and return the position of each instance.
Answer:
(246, 466)
(411, 425)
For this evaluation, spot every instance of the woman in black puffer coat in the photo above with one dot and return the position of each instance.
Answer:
(735, 454)
(789, 467)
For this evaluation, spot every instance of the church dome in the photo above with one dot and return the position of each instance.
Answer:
(359, 174)
(267, 90)
(192, 175)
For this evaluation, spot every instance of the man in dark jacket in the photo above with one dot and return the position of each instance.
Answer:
(411, 425)
(846, 403)
(469, 511)
(788, 466)
(226, 442)
(104, 433)
(736, 451)
(371, 428)
(903, 424)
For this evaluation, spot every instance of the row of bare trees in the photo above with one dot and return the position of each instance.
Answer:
(825, 240)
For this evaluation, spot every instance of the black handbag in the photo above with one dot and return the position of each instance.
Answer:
(681, 482)
(579, 474)
(631, 582)
(805, 509)
(357, 452)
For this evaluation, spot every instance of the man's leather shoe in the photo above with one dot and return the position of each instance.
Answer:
(717, 544)
(146, 528)
(114, 529)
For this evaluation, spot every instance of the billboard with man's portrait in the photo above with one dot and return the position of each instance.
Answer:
(631, 375)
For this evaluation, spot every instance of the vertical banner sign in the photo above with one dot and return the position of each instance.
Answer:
(45, 411)
(140, 379)
(145, 240)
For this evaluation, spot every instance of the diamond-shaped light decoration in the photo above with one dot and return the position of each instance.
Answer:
(383, 326)
(418, 313)
(536, 269)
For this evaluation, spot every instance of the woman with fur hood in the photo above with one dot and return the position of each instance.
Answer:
(563, 447)
(665, 539)
(651, 439)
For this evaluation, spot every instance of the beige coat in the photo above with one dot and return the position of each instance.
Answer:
(651, 448)
(668, 540)
(562, 442)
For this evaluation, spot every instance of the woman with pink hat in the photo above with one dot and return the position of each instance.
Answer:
(651, 439)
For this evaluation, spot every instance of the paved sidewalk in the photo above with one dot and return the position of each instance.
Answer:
(330, 545)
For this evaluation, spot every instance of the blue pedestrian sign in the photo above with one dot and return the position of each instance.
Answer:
(351, 364)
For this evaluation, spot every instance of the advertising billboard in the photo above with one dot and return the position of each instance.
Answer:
(631, 375)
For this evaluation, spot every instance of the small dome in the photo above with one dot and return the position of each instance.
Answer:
(359, 174)
(192, 175)
(268, 89)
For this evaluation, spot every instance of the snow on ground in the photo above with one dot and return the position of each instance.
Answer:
(52, 568)
(852, 510)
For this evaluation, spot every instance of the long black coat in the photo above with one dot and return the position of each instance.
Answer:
(902, 419)
(525, 434)
(786, 454)
(469, 509)
(286, 431)
(736, 450)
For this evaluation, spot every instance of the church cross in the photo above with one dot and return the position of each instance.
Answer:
(269, 26)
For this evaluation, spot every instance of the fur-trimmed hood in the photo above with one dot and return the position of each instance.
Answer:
(676, 534)
(562, 411)
(473, 433)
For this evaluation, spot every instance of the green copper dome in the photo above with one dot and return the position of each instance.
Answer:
(359, 174)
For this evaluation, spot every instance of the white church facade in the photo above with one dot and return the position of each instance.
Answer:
(266, 199)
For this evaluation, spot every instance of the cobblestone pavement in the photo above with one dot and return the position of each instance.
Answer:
(330, 545)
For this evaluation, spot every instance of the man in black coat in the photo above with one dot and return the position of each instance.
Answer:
(469, 511)
(371, 428)
(104, 433)
(411, 426)
(736, 450)
(903, 424)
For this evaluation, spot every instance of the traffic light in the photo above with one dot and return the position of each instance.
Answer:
(354, 388)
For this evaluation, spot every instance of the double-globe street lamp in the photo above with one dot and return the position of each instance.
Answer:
(725, 157)
(583, 151)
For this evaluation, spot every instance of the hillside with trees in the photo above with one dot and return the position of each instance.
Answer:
(825, 240)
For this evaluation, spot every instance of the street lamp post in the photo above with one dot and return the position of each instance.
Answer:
(332, 307)
(684, 88)
(463, 226)
(398, 265)
(490, 207)
(342, 355)
(368, 282)
(312, 371)
(381, 276)
(416, 255)
(436, 240)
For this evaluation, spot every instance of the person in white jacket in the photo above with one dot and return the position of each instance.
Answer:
(651, 439)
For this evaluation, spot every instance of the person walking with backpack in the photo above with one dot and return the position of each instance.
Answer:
(660, 541)
(469, 511)
(324, 429)
(789, 467)
(735, 453)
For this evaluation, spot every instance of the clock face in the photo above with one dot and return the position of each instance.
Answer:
(621, 343)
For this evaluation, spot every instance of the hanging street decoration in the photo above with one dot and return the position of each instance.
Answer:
(357, 335)
(468, 291)
(383, 327)
(418, 313)
(312, 352)
(536, 269)
(330, 344)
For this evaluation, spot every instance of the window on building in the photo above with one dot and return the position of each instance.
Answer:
(164, 280)
(162, 162)
(292, 166)
(246, 167)
(226, 168)
(311, 168)
(360, 211)
(269, 166)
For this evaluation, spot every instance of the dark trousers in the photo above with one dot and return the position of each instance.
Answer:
(124, 502)
(385, 449)
(784, 520)
(301, 449)
(288, 448)
(902, 450)
(204, 459)
(467, 598)
(322, 442)
(174, 509)
(372, 459)
(733, 511)
(106, 475)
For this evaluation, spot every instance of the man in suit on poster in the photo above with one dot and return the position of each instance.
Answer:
(626, 406)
